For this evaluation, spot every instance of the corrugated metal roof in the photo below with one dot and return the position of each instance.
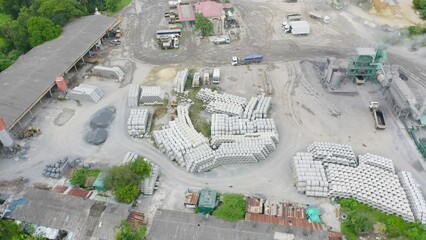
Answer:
(34, 73)
(211, 9)
(186, 12)
(207, 198)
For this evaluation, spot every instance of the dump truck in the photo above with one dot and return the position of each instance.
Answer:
(252, 58)
(379, 118)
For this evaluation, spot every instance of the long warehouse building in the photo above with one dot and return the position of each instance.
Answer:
(33, 75)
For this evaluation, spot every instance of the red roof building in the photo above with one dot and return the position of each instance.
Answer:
(186, 12)
(212, 9)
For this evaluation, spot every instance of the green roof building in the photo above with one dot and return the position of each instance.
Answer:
(99, 182)
(207, 201)
(313, 214)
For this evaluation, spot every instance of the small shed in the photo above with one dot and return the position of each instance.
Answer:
(99, 182)
(207, 201)
(313, 214)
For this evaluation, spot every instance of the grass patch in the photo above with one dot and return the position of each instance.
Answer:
(84, 177)
(160, 110)
(361, 218)
(200, 124)
(233, 208)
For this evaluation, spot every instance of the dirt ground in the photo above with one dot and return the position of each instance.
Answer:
(302, 109)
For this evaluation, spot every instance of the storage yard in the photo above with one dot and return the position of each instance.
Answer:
(294, 126)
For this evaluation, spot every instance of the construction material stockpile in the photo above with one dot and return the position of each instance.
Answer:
(373, 181)
(222, 103)
(109, 72)
(234, 141)
(415, 196)
(62, 165)
(137, 123)
(180, 81)
(148, 185)
(152, 95)
(133, 97)
(85, 93)
(309, 175)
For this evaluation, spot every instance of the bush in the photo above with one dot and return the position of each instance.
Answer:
(125, 232)
(416, 30)
(233, 208)
(79, 177)
(127, 193)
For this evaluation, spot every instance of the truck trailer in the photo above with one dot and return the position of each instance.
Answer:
(378, 116)
(252, 58)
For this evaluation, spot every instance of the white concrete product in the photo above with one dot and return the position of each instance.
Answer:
(6, 139)
(109, 72)
(299, 27)
(130, 156)
(148, 185)
(262, 107)
(180, 80)
(196, 80)
(223, 107)
(206, 95)
(415, 196)
(333, 153)
(222, 124)
(133, 97)
(85, 92)
(217, 140)
(152, 95)
(377, 161)
(137, 122)
(309, 175)
(371, 185)
(251, 105)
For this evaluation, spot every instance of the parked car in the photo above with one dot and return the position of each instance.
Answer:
(116, 42)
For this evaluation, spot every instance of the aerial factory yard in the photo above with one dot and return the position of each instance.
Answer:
(296, 107)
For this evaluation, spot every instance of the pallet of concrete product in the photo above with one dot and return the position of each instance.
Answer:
(414, 195)
(377, 161)
(251, 105)
(109, 72)
(262, 107)
(196, 80)
(180, 81)
(85, 92)
(152, 95)
(333, 153)
(133, 97)
(137, 123)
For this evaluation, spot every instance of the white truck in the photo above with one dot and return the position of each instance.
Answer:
(216, 76)
(222, 40)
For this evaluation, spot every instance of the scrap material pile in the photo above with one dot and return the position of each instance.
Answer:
(86, 93)
(109, 72)
(149, 184)
(137, 123)
(330, 169)
(234, 141)
(133, 97)
(152, 95)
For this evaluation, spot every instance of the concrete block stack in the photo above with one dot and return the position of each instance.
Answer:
(196, 157)
(371, 185)
(129, 157)
(217, 140)
(180, 81)
(228, 108)
(333, 153)
(133, 97)
(148, 185)
(222, 124)
(206, 95)
(377, 161)
(415, 196)
(109, 72)
(309, 175)
(251, 105)
(137, 123)
(85, 92)
(265, 125)
(262, 107)
(152, 95)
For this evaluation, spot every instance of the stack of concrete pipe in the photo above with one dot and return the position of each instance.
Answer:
(415, 196)
(371, 185)
(377, 161)
(55, 170)
(199, 156)
(86, 93)
(137, 123)
(206, 95)
(180, 81)
(333, 153)
(262, 107)
(251, 105)
(309, 175)
(217, 140)
(133, 97)
(152, 95)
(109, 72)
(228, 108)
(222, 124)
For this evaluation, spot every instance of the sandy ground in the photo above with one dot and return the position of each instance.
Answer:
(303, 110)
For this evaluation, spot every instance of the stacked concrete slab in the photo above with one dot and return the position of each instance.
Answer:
(371, 185)
(199, 156)
(86, 93)
(148, 185)
(180, 81)
(415, 196)
(228, 108)
(262, 107)
(206, 95)
(217, 140)
(377, 161)
(137, 123)
(152, 95)
(309, 175)
(133, 97)
(223, 124)
(109, 72)
(251, 105)
(333, 153)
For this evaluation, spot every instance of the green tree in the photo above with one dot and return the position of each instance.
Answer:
(41, 29)
(233, 208)
(125, 232)
(11, 230)
(204, 25)
(140, 167)
(15, 34)
(112, 5)
(127, 193)
(79, 177)
(61, 11)
(416, 4)
(359, 223)
(12, 7)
